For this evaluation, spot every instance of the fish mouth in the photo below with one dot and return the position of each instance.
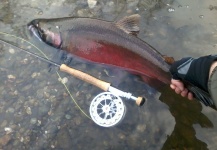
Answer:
(36, 30)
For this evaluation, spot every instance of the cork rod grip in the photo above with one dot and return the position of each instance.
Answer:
(85, 77)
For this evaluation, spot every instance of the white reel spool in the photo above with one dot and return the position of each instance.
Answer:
(107, 109)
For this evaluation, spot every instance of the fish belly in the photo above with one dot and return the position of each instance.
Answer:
(115, 55)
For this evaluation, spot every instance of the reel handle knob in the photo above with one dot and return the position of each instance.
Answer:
(140, 101)
(85, 77)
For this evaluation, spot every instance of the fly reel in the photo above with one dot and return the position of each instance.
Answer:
(107, 109)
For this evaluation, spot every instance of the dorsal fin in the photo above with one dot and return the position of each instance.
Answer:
(129, 24)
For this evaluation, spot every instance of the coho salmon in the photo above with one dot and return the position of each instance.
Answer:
(104, 42)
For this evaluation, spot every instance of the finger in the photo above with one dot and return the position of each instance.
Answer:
(172, 86)
(184, 93)
(190, 96)
(177, 90)
(178, 83)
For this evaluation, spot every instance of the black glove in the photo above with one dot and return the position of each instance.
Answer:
(195, 71)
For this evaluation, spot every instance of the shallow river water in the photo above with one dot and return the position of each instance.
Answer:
(38, 112)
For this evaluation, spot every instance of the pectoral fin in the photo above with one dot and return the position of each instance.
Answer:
(129, 24)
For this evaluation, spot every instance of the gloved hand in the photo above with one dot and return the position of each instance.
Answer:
(195, 71)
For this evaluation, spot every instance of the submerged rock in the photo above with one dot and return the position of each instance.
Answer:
(4, 140)
(91, 3)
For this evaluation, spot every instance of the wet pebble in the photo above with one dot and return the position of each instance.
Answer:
(40, 13)
(21, 139)
(14, 93)
(4, 123)
(16, 143)
(40, 93)
(31, 101)
(8, 130)
(170, 9)
(77, 120)
(109, 7)
(35, 74)
(26, 139)
(44, 109)
(33, 121)
(141, 127)
(211, 7)
(28, 110)
(121, 136)
(67, 116)
(49, 112)
(88, 96)
(11, 50)
(4, 140)
(24, 61)
(77, 94)
(110, 3)
(27, 87)
(38, 122)
(91, 3)
(64, 80)
(22, 130)
(10, 110)
(201, 16)
(18, 117)
(47, 95)
(11, 77)
(17, 106)
(52, 146)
